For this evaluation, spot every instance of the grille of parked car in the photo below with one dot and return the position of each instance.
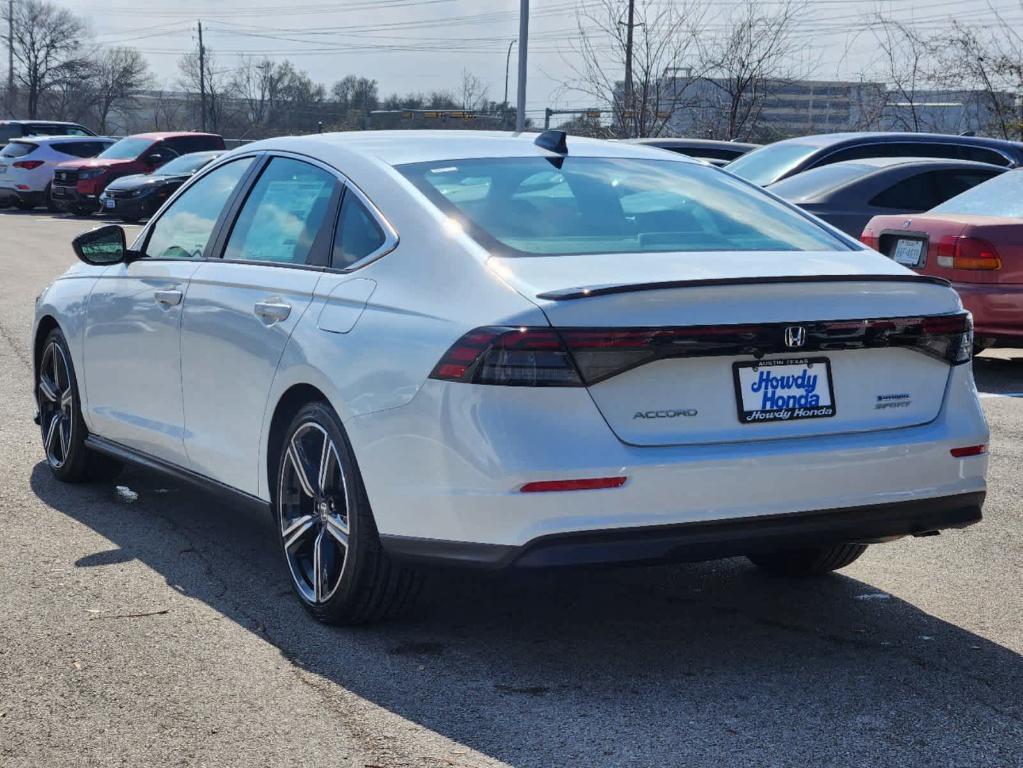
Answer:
(66, 177)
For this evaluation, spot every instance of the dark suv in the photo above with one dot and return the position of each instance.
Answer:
(15, 129)
(782, 159)
(77, 184)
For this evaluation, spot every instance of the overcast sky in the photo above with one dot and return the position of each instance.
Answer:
(424, 45)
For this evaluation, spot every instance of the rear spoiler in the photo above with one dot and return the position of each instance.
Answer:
(585, 292)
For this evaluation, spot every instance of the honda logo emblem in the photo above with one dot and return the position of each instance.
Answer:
(795, 336)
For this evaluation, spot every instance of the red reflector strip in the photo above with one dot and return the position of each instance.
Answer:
(590, 484)
(969, 450)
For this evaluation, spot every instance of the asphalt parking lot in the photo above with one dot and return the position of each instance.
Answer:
(156, 627)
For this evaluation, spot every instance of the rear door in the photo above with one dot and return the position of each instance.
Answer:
(242, 309)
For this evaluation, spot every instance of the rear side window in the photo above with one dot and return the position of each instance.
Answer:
(529, 206)
(18, 149)
(184, 230)
(982, 155)
(81, 148)
(283, 215)
(923, 191)
(358, 233)
(182, 145)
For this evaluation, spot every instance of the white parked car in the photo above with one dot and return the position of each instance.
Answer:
(26, 165)
(481, 349)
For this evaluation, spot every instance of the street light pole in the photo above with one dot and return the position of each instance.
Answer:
(520, 112)
(507, 69)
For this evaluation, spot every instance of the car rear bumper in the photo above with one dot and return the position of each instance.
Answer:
(997, 310)
(704, 540)
(451, 465)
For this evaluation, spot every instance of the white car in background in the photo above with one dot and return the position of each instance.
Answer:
(26, 165)
(512, 351)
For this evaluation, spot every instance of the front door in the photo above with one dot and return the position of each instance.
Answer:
(133, 324)
(242, 310)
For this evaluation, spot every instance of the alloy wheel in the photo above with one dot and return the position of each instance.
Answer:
(56, 404)
(313, 508)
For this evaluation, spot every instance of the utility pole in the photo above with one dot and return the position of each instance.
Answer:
(520, 113)
(629, 107)
(10, 59)
(202, 80)
(507, 69)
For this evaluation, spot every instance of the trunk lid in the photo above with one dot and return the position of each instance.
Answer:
(718, 313)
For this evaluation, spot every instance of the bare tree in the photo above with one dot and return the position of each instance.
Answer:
(217, 80)
(47, 44)
(664, 45)
(116, 76)
(907, 63)
(756, 55)
(474, 92)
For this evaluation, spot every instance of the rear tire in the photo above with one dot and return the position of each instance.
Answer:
(60, 418)
(812, 561)
(339, 571)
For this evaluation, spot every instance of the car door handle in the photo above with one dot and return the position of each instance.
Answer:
(169, 297)
(272, 311)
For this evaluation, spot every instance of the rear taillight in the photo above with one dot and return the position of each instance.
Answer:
(869, 239)
(28, 165)
(956, 252)
(573, 357)
(513, 357)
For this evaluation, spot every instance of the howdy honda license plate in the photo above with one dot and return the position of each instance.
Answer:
(784, 390)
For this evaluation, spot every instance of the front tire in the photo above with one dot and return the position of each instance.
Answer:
(812, 561)
(338, 569)
(60, 418)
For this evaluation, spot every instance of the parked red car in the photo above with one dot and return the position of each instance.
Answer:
(77, 184)
(974, 240)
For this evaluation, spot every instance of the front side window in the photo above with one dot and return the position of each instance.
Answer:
(283, 215)
(127, 149)
(358, 233)
(528, 206)
(184, 230)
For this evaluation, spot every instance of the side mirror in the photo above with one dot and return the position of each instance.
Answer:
(155, 159)
(101, 247)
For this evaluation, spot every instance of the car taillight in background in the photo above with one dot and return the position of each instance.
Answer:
(869, 239)
(955, 252)
(573, 357)
(28, 165)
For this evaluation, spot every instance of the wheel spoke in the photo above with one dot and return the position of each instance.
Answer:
(64, 429)
(51, 433)
(47, 389)
(301, 466)
(338, 528)
(318, 567)
(322, 476)
(296, 532)
(65, 398)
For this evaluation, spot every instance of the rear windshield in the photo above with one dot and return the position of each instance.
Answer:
(768, 164)
(1001, 196)
(528, 206)
(18, 149)
(817, 181)
(127, 149)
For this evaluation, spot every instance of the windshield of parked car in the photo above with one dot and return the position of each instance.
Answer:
(532, 206)
(186, 164)
(1001, 196)
(816, 181)
(126, 149)
(768, 164)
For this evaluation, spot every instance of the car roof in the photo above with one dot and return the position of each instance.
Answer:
(39, 122)
(681, 141)
(49, 139)
(401, 147)
(880, 137)
(158, 136)
(891, 162)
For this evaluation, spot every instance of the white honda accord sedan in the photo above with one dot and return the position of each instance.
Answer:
(512, 351)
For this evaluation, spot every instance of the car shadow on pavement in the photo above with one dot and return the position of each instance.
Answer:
(708, 663)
